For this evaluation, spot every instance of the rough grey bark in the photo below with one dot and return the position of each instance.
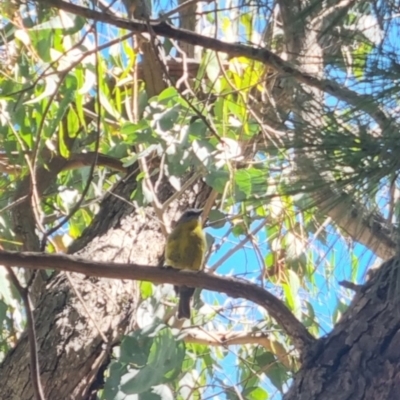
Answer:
(360, 358)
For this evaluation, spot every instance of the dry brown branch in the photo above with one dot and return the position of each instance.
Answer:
(196, 335)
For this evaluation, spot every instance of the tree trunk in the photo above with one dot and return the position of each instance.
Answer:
(360, 358)
(71, 348)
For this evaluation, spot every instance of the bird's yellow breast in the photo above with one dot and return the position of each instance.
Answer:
(186, 246)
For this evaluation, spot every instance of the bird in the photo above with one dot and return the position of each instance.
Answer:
(185, 250)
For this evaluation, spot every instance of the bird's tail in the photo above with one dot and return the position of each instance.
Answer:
(185, 295)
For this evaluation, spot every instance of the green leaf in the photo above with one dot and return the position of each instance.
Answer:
(203, 151)
(247, 22)
(135, 349)
(178, 163)
(355, 264)
(146, 290)
(167, 119)
(138, 133)
(217, 219)
(213, 69)
(218, 180)
(291, 290)
(68, 23)
(111, 387)
(274, 370)
(251, 181)
(5, 287)
(3, 311)
(168, 94)
(146, 396)
(255, 393)
(198, 129)
(119, 150)
(159, 392)
(42, 41)
(163, 364)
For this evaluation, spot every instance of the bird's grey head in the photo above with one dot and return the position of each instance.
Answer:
(190, 214)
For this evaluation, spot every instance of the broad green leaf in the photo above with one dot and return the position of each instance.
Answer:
(218, 180)
(291, 289)
(217, 219)
(111, 387)
(251, 181)
(212, 68)
(203, 151)
(163, 364)
(167, 119)
(168, 94)
(273, 369)
(256, 393)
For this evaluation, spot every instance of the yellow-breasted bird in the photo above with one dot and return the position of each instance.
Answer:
(185, 249)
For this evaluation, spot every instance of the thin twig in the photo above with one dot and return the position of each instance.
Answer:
(327, 11)
(34, 360)
(186, 185)
(240, 245)
(179, 8)
(14, 204)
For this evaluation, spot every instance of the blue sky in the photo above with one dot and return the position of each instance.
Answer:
(338, 254)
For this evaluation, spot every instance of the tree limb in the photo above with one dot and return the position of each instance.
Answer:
(364, 102)
(196, 335)
(233, 287)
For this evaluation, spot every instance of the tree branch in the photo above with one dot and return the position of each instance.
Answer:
(364, 102)
(86, 159)
(233, 287)
(34, 367)
(196, 335)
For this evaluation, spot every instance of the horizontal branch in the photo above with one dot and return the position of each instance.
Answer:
(86, 159)
(196, 335)
(11, 166)
(363, 102)
(233, 287)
